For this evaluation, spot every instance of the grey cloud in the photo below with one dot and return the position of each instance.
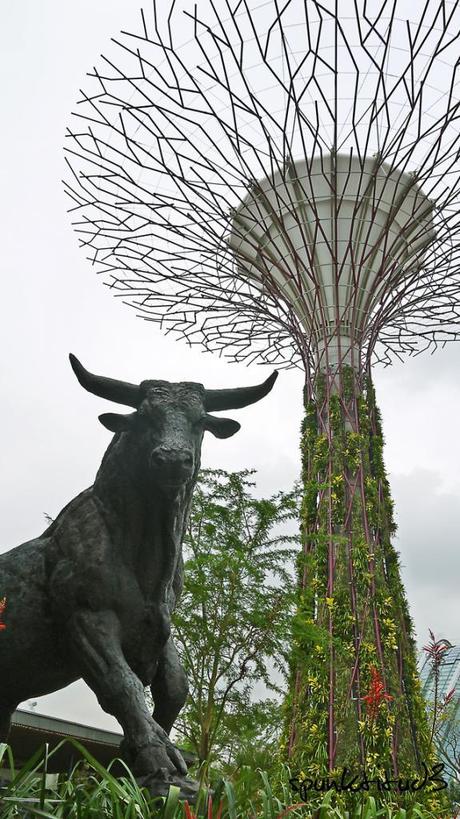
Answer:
(428, 541)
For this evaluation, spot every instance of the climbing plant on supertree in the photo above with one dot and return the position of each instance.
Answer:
(281, 183)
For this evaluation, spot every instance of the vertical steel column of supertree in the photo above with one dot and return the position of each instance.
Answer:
(280, 182)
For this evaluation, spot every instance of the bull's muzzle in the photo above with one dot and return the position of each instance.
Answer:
(172, 467)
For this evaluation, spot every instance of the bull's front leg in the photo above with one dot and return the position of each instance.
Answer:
(96, 645)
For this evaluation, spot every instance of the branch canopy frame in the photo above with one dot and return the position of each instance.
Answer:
(189, 114)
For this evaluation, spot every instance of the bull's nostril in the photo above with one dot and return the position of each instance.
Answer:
(172, 458)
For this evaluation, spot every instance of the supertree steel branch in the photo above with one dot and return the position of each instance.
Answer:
(280, 182)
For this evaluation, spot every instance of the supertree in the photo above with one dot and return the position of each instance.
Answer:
(279, 182)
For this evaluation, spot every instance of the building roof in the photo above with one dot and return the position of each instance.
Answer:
(30, 730)
(64, 727)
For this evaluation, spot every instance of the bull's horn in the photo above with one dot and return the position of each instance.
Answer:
(120, 391)
(240, 397)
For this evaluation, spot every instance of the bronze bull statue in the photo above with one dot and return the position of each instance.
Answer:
(92, 597)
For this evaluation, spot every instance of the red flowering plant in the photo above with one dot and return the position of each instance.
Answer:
(189, 814)
(435, 651)
(2, 609)
(376, 694)
(448, 698)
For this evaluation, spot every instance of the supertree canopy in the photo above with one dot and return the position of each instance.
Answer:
(280, 182)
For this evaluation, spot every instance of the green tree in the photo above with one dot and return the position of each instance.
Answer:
(232, 624)
(251, 740)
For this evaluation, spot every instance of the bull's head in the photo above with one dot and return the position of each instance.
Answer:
(170, 419)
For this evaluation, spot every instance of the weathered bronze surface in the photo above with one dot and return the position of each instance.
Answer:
(92, 597)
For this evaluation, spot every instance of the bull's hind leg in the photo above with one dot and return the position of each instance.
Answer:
(169, 687)
(97, 648)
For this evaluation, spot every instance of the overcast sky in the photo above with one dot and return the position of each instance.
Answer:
(53, 303)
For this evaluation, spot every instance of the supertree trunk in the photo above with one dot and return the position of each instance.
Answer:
(355, 697)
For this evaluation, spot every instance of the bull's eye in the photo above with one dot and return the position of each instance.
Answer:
(148, 423)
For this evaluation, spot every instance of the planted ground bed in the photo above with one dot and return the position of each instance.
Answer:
(92, 791)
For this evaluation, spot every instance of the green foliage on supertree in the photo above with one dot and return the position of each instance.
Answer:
(354, 697)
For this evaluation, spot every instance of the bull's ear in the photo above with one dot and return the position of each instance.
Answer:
(221, 427)
(116, 422)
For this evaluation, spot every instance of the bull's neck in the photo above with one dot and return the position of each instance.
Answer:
(130, 497)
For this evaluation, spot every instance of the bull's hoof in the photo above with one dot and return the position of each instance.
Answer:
(158, 761)
(159, 784)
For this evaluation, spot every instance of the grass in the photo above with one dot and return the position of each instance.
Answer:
(92, 791)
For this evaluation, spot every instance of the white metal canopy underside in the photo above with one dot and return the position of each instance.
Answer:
(335, 236)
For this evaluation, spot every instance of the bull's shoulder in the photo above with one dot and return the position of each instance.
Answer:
(41, 542)
(77, 506)
(81, 560)
(81, 511)
(80, 522)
